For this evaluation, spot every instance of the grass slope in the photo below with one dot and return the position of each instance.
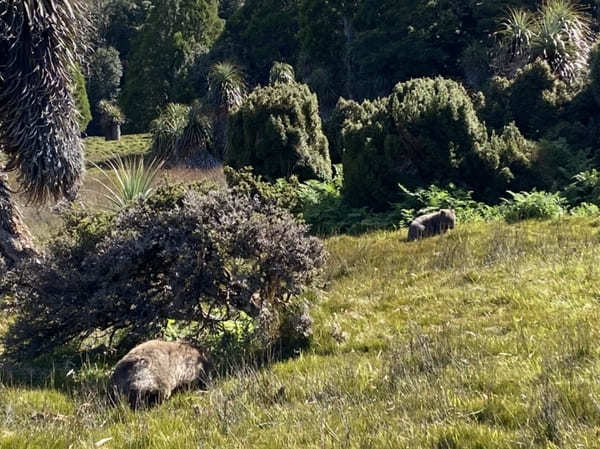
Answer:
(483, 338)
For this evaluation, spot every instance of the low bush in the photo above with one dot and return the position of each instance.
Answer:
(584, 188)
(534, 204)
(215, 259)
(284, 193)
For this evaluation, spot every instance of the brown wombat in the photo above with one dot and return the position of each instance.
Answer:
(151, 371)
(431, 224)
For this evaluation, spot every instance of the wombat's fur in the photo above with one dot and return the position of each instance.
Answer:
(151, 371)
(431, 224)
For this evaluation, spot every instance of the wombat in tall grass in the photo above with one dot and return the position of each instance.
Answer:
(431, 224)
(150, 372)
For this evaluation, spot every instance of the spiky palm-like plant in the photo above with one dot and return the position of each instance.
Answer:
(226, 92)
(167, 129)
(129, 180)
(282, 73)
(559, 33)
(40, 44)
(226, 86)
(195, 145)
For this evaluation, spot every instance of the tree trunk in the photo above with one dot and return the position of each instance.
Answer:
(112, 132)
(15, 241)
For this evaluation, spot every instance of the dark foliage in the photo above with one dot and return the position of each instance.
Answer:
(426, 132)
(277, 130)
(39, 128)
(218, 257)
(175, 33)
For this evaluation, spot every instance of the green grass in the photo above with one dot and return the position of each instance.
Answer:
(483, 338)
(97, 149)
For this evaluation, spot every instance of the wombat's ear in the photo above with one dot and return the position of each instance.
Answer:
(442, 212)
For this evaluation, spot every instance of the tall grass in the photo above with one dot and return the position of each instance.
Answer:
(483, 338)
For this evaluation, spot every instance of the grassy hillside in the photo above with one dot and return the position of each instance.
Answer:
(483, 338)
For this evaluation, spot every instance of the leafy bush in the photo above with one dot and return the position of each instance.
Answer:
(345, 110)
(277, 130)
(284, 193)
(433, 198)
(532, 99)
(426, 132)
(585, 210)
(584, 188)
(534, 204)
(219, 258)
(555, 163)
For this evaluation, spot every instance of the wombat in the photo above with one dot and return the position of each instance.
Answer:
(431, 224)
(150, 372)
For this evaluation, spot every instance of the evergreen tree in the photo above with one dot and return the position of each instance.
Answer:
(175, 33)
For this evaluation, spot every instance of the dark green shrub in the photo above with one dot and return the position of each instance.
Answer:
(284, 193)
(81, 100)
(277, 130)
(216, 259)
(555, 163)
(426, 132)
(584, 188)
(334, 125)
(532, 99)
(534, 204)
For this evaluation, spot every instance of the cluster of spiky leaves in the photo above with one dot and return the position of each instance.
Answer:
(226, 86)
(282, 73)
(40, 41)
(216, 258)
(167, 128)
(110, 113)
(195, 146)
(559, 32)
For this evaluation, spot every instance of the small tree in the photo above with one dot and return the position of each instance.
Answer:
(216, 258)
(277, 130)
(104, 79)
(111, 119)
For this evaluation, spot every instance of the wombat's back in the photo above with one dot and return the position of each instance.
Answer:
(151, 371)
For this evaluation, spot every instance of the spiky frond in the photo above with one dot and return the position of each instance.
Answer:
(40, 43)
(564, 37)
(167, 129)
(129, 180)
(282, 73)
(197, 136)
(226, 86)
(517, 31)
